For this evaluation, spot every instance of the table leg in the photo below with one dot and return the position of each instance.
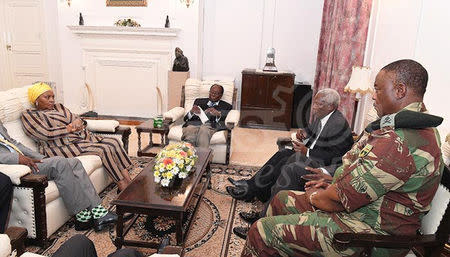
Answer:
(179, 229)
(150, 139)
(119, 230)
(139, 141)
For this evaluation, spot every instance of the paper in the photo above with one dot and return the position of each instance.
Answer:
(203, 116)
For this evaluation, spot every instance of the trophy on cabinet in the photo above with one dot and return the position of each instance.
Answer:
(270, 60)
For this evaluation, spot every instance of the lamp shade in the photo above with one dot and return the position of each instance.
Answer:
(359, 81)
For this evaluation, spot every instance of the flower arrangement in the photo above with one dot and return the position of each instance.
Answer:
(127, 23)
(175, 160)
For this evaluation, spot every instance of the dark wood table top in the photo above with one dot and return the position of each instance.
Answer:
(143, 192)
(148, 126)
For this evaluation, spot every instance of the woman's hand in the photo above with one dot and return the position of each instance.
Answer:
(76, 125)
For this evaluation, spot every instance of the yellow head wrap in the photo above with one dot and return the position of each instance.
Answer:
(36, 90)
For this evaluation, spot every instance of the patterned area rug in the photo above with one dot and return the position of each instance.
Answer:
(211, 232)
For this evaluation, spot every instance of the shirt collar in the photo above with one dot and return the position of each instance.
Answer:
(416, 107)
(325, 119)
(211, 103)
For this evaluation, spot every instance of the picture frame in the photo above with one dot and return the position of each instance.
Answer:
(126, 2)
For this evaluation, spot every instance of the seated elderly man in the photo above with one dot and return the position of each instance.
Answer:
(72, 181)
(206, 117)
(323, 145)
(385, 185)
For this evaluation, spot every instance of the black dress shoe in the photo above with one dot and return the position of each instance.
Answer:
(250, 216)
(80, 226)
(238, 183)
(105, 221)
(241, 232)
(240, 193)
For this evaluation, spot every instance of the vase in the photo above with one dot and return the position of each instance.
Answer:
(175, 183)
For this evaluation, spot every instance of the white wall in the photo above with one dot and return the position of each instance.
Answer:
(238, 33)
(415, 29)
(96, 13)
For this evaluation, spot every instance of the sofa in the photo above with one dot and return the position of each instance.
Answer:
(36, 203)
(192, 89)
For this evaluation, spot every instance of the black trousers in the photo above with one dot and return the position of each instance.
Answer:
(261, 183)
(81, 246)
(290, 177)
(6, 191)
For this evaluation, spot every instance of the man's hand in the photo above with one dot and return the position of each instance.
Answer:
(300, 147)
(195, 110)
(317, 174)
(301, 134)
(29, 162)
(316, 184)
(212, 111)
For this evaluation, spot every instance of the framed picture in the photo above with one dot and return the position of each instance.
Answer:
(126, 2)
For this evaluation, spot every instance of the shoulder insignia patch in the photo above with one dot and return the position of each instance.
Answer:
(365, 151)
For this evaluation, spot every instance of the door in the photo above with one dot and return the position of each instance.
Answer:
(23, 54)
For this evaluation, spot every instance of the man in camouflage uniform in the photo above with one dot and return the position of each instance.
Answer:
(385, 185)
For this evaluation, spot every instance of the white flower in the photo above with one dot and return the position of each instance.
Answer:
(188, 168)
(182, 175)
(165, 182)
(175, 170)
(157, 179)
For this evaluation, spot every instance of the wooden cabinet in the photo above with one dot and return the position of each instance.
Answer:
(266, 99)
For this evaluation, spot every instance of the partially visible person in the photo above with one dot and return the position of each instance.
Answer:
(59, 132)
(81, 246)
(73, 183)
(6, 192)
(198, 132)
(384, 186)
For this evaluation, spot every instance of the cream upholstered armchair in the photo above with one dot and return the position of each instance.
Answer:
(37, 205)
(193, 88)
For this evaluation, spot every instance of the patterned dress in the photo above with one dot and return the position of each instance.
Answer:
(386, 185)
(48, 128)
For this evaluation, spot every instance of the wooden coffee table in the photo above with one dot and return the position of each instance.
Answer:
(144, 196)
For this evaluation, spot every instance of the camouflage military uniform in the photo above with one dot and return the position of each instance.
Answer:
(386, 184)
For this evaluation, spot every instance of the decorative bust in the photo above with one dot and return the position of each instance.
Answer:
(181, 62)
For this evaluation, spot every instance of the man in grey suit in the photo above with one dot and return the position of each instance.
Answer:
(71, 179)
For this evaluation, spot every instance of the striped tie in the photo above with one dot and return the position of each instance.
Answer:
(7, 143)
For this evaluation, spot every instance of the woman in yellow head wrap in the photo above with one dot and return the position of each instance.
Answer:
(59, 132)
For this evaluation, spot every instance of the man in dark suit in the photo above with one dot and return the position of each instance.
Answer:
(321, 145)
(206, 117)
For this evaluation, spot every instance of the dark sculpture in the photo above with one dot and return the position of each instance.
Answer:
(181, 62)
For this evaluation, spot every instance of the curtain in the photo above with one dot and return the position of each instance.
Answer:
(341, 46)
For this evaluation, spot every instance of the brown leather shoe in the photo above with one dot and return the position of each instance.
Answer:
(241, 232)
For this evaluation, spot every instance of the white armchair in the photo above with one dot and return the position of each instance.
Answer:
(193, 88)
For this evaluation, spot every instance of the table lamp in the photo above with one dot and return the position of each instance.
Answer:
(359, 84)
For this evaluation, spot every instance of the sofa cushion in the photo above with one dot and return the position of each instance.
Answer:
(90, 162)
(13, 102)
(51, 192)
(16, 132)
(14, 172)
(176, 132)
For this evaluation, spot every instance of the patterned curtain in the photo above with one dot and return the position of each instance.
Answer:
(341, 46)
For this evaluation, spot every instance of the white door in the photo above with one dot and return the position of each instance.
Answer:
(24, 53)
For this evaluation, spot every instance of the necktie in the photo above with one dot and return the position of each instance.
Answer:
(7, 143)
(315, 135)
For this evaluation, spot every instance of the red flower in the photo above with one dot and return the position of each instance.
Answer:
(167, 161)
(183, 153)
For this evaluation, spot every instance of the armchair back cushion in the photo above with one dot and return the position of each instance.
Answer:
(195, 88)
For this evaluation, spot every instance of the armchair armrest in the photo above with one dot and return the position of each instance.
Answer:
(102, 125)
(34, 181)
(5, 245)
(15, 171)
(17, 236)
(232, 119)
(174, 114)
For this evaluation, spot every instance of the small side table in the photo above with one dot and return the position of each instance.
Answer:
(147, 127)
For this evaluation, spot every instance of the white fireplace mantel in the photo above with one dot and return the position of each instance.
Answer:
(123, 31)
(133, 58)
